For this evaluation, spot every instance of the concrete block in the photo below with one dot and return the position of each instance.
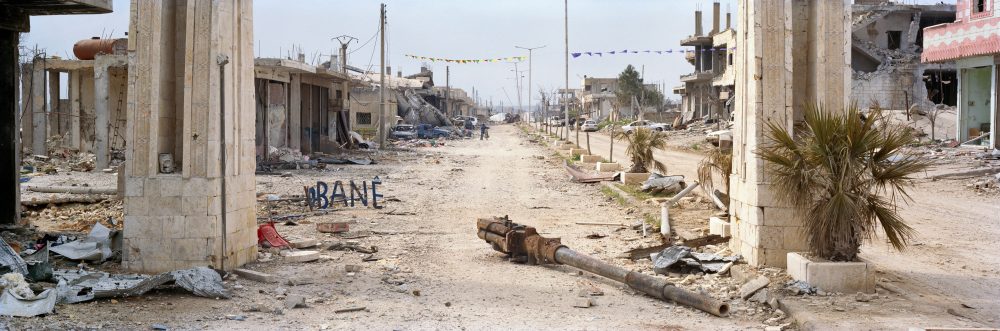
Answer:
(794, 239)
(753, 286)
(782, 216)
(771, 237)
(578, 151)
(719, 226)
(566, 146)
(171, 187)
(774, 257)
(842, 277)
(256, 276)
(304, 243)
(587, 166)
(591, 158)
(300, 256)
(134, 187)
(630, 178)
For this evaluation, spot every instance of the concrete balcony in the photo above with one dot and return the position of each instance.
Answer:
(697, 77)
(697, 41)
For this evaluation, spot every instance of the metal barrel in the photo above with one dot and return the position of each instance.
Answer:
(653, 286)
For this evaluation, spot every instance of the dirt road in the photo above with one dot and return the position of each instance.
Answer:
(952, 260)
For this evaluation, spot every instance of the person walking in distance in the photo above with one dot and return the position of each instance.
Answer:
(484, 131)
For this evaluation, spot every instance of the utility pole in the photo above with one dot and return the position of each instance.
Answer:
(530, 105)
(566, 34)
(381, 93)
(447, 90)
(345, 85)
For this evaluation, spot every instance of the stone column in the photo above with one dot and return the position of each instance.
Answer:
(102, 120)
(55, 116)
(39, 120)
(74, 111)
(295, 111)
(202, 213)
(791, 52)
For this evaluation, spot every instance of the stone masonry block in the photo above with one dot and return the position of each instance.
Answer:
(136, 206)
(842, 277)
(201, 226)
(134, 187)
(171, 186)
(189, 250)
(195, 205)
(608, 166)
(591, 158)
(718, 226)
(771, 237)
(794, 239)
(578, 151)
(174, 227)
(775, 257)
(165, 206)
(782, 216)
(750, 234)
(151, 188)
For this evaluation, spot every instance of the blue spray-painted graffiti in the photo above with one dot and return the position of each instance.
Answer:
(323, 197)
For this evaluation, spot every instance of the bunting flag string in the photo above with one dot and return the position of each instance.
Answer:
(668, 51)
(496, 60)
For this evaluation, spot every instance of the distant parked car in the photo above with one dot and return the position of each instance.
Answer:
(403, 132)
(427, 131)
(589, 126)
(628, 128)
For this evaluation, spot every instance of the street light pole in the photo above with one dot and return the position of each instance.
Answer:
(566, 41)
(530, 107)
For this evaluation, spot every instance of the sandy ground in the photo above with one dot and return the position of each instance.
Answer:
(950, 263)
(434, 273)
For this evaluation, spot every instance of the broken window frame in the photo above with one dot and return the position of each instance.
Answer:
(981, 8)
(360, 118)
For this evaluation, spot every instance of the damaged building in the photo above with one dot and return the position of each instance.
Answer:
(887, 42)
(301, 108)
(708, 91)
(77, 104)
(972, 43)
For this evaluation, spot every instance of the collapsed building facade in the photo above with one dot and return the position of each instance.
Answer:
(708, 91)
(972, 42)
(598, 97)
(91, 119)
(887, 42)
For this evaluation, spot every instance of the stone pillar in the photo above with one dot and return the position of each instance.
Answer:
(103, 64)
(10, 191)
(295, 111)
(74, 110)
(26, 108)
(53, 105)
(791, 52)
(202, 213)
(39, 120)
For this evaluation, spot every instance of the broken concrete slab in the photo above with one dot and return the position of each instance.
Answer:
(304, 243)
(300, 256)
(256, 276)
(753, 286)
(295, 301)
(583, 303)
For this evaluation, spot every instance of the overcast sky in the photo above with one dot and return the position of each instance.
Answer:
(456, 29)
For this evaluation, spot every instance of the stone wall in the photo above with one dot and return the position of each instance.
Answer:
(179, 220)
(791, 53)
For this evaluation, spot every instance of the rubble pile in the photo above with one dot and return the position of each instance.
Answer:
(78, 217)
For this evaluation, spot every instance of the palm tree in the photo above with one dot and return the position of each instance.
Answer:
(641, 144)
(720, 162)
(840, 171)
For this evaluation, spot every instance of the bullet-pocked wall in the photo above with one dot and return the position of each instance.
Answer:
(200, 212)
(791, 52)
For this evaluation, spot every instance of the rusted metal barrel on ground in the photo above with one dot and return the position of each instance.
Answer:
(653, 286)
(522, 243)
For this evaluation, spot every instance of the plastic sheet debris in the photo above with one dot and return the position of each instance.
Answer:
(10, 261)
(683, 259)
(79, 286)
(657, 184)
(12, 304)
(95, 247)
(201, 281)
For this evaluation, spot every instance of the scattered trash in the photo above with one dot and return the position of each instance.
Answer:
(353, 246)
(14, 304)
(798, 287)
(333, 227)
(95, 247)
(79, 285)
(201, 281)
(351, 309)
(659, 184)
(10, 261)
(268, 236)
(683, 259)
